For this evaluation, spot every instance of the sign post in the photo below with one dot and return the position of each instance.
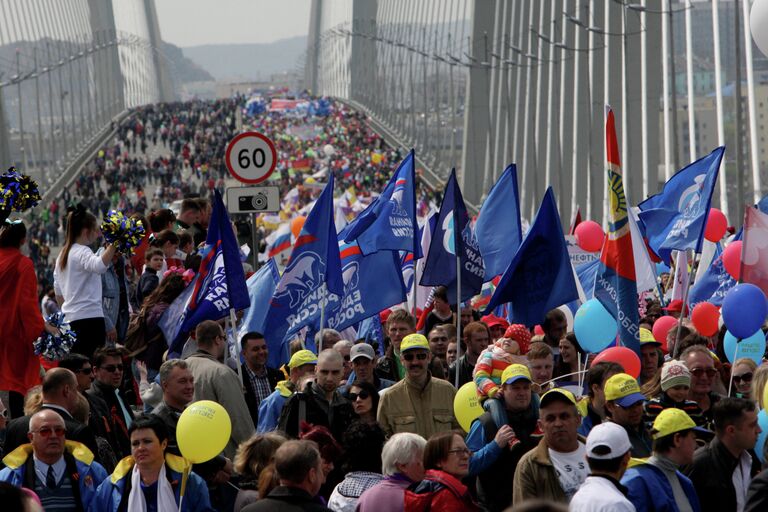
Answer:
(251, 158)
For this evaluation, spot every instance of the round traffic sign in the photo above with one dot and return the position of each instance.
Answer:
(251, 157)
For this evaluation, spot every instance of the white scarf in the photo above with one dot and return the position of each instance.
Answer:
(166, 502)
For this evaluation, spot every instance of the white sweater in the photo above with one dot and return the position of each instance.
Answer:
(80, 284)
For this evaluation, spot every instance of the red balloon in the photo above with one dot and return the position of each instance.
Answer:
(661, 328)
(732, 259)
(589, 235)
(716, 225)
(622, 355)
(705, 317)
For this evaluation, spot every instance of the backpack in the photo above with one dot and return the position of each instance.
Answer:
(135, 338)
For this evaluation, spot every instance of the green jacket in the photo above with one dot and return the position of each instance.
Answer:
(404, 407)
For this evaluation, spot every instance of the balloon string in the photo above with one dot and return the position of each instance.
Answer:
(561, 376)
(735, 353)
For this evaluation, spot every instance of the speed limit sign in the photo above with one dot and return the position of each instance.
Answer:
(251, 157)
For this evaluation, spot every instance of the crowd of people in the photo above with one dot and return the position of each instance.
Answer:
(344, 429)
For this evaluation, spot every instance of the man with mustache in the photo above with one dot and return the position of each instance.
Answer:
(419, 403)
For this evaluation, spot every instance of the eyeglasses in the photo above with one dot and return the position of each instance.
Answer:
(461, 451)
(84, 371)
(421, 356)
(48, 431)
(112, 368)
(362, 395)
(698, 372)
(746, 377)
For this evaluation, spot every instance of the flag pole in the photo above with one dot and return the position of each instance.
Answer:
(458, 313)
(323, 300)
(238, 349)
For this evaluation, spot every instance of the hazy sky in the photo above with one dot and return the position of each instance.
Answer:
(195, 22)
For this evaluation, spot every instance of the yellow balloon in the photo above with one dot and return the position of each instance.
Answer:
(376, 158)
(203, 431)
(466, 405)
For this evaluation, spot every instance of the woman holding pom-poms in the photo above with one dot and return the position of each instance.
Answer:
(77, 280)
(20, 320)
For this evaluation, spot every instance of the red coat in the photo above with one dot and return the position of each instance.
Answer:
(439, 492)
(21, 322)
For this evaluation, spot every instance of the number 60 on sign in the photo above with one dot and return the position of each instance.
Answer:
(251, 157)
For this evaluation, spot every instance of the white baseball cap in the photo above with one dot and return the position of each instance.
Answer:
(607, 441)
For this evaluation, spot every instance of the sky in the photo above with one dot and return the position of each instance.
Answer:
(196, 22)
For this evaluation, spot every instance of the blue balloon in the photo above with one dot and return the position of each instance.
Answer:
(752, 347)
(762, 420)
(594, 326)
(744, 310)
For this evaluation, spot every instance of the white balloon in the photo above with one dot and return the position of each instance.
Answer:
(758, 24)
(328, 150)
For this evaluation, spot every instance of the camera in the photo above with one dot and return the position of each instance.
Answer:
(256, 202)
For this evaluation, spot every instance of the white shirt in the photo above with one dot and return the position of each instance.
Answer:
(41, 468)
(80, 284)
(571, 468)
(741, 478)
(598, 494)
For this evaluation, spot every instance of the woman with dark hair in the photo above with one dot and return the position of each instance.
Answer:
(363, 443)
(77, 281)
(150, 479)
(330, 453)
(148, 319)
(446, 459)
(20, 319)
(365, 401)
(568, 364)
(167, 241)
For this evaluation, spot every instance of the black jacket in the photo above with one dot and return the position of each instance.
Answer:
(465, 369)
(287, 499)
(336, 416)
(711, 473)
(107, 408)
(273, 377)
(17, 429)
(757, 495)
(494, 485)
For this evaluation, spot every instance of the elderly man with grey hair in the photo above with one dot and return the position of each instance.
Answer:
(402, 463)
(343, 347)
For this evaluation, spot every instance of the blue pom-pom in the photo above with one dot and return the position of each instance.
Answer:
(124, 232)
(53, 347)
(18, 192)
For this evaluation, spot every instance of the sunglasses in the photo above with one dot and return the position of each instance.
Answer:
(746, 377)
(84, 371)
(362, 395)
(48, 431)
(698, 372)
(420, 356)
(112, 368)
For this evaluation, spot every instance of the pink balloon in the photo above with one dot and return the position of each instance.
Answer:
(732, 259)
(661, 328)
(623, 356)
(589, 235)
(716, 225)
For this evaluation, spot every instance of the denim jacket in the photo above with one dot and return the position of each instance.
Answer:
(110, 300)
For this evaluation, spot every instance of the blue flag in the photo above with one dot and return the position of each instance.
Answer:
(587, 273)
(675, 218)
(220, 282)
(314, 262)
(389, 223)
(372, 330)
(540, 276)
(371, 284)
(498, 228)
(715, 283)
(453, 235)
(261, 286)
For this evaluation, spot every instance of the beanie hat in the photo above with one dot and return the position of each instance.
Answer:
(521, 335)
(674, 373)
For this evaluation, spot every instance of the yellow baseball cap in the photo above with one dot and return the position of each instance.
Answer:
(301, 358)
(414, 341)
(672, 420)
(646, 337)
(557, 394)
(623, 389)
(515, 372)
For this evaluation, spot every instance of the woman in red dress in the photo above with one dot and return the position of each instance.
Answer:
(21, 322)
